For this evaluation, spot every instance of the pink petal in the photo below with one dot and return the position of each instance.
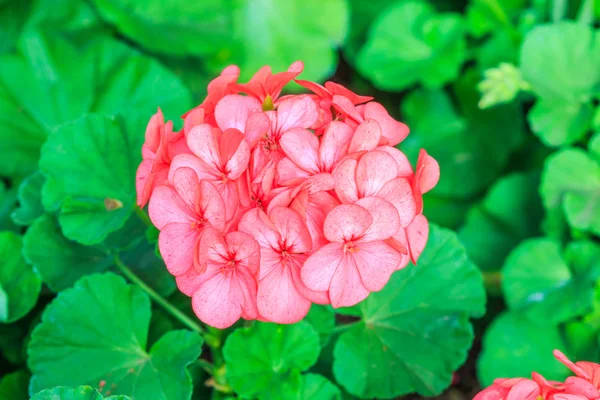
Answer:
(399, 192)
(334, 144)
(231, 199)
(141, 177)
(577, 370)
(295, 264)
(345, 106)
(417, 234)
(386, 221)
(166, 207)
(203, 141)
(525, 389)
(177, 243)
(346, 222)
(211, 206)
(376, 262)
(314, 87)
(299, 112)
(302, 147)
(229, 74)
(233, 110)
(345, 181)
(374, 170)
(256, 223)
(366, 137)
(190, 281)
(278, 298)
(319, 268)
(289, 173)
(319, 183)
(153, 131)
(404, 167)
(187, 186)
(428, 171)
(245, 249)
(577, 385)
(235, 152)
(347, 288)
(391, 129)
(292, 229)
(316, 208)
(336, 88)
(257, 127)
(192, 119)
(190, 161)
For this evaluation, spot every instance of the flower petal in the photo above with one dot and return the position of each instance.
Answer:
(386, 221)
(417, 234)
(166, 206)
(257, 127)
(177, 243)
(374, 170)
(366, 137)
(235, 153)
(347, 288)
(203, 141)
(399, 192)
(346, 222)
(292, 229)
(334, 144)
(376, 262)
(318, 269)
(299, 112)
(233, 110)
(218, 301)
(428, 171)
(345, 181)
(256, 223)
(392, 130)
(302, 147)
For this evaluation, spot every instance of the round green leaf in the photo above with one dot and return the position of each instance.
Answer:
(13, 386)
(316, 387)
(411, 44)
(557, 124)
(8, 202)
(538, 280)
(514, 346)
(30, 200)
(414, 333)
(574, 73)
(19, 285)
(509, 213)
(96, 334)
(78, 393)
(266, 359)
(278, 33)
(59, 261)
(106, 152)
(188, 27)
(322, 319)
(38, 85)
(571, 179)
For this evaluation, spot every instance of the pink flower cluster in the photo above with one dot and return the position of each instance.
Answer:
(268, 203)
(585, 385)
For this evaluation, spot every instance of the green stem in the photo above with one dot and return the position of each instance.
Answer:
(143, 216)
(586, 12)
(161, 301)
(207, 366)
(559, 9)
(493, 282)
(343, 328)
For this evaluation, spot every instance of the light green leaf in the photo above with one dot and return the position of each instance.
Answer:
(316, 387)
(560, 124)
(544, 286)
(409, 44)
(59, 261)
(78, 393)
(19, 285)
(322, 319)
(514, 346)
(37, 88)
(509, 213)
(13, 386)
(30, 200)
(278, 33)
(574, 73)
(571, 180)
(266, 360)
(489, 16)
(362, 14)
(184, 27)
(594, 145)
(106, 152)
(98, 331)
(414, 333)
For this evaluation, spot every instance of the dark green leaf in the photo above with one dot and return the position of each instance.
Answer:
(13, 386)
(78, 393)
(322, 319)
(30, 200)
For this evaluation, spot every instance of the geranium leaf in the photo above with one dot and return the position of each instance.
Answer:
(30, 200)
(78, 393)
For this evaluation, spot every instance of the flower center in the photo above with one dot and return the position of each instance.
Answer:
(269, 144)
(198, 225)
(350, 247)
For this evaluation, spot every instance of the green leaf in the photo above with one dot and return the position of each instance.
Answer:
(107, 153)
(78, 393)
(509, 213)
(560, 124)
(488, 16)
(472, 147)
(539, 281)
(415, 332)
(571, 180)
(37, 88)
(514, 346)
(411, 44)
(362, 14)
(266, 360)
(188, 27)
(98, 331)
(8, 200)
(13, 386)
(322, 319)
(317, 387)
(30, 200)
(11, 343)
(574, 73)
(278, 33)
(59, 261)
(13, 16)
(19, 285)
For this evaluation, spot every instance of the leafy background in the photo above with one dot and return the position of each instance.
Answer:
(504, 93)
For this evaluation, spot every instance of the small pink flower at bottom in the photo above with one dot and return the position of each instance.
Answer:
(284, 243)
(358, 261)
(182, 212)
(226, 289)
(510, 389)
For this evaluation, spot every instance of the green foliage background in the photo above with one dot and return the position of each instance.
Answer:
(503, 93)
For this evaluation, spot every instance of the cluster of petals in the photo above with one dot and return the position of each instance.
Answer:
(267, 204)
(585, 385)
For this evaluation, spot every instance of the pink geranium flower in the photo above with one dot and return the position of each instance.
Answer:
(510, 389)
(358, 261)
(182, 212)
(284, 243)
(162, 144)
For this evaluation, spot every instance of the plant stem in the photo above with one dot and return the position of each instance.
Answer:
(143, 216)
(559, 9)
(161, 301)
(493, 282)
(207, 366)
(342, 328)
